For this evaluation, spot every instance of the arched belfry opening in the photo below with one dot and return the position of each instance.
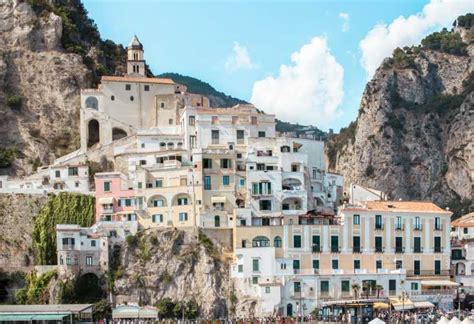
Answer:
(93, 132)
(118, 133)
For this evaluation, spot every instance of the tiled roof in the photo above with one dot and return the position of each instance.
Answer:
(398, 206)
(464, 221)
(137, 79)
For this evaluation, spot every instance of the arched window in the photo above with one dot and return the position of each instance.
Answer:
(92, 102)
(217, 221)
(277, 242)
(131, 98)
(261, 241)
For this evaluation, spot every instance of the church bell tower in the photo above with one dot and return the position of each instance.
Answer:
(135, 59)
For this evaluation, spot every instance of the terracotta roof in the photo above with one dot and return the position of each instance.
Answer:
(464, 221)
(137, 79)
(399, 206)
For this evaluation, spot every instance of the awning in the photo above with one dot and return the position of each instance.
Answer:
(218, 199)
(439, 283)
(12, 317)
(106, 201)
(399, 304)
(423, 304)
(380, 305)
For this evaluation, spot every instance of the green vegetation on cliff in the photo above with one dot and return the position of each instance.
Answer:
(64, 208)
(36, 289)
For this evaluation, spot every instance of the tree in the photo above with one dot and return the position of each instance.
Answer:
(378, 288)
(101, 310)
(355, 288)
(14, 102)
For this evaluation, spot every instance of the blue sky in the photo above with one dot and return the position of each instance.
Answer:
(236, 45)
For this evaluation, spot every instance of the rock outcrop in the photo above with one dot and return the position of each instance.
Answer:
(414, 135)
(183, 265)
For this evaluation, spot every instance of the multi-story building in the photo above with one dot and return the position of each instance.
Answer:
(462, 250)
(375, 248)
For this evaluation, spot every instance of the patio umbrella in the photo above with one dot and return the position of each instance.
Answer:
(455, 320)
(376, 321)
(379, 305)
(467, 320)
(443, 320)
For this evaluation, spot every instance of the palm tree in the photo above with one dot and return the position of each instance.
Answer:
(378, 288)
(355, 288)
(366, 286)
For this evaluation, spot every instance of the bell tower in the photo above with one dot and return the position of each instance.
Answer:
(135, 59)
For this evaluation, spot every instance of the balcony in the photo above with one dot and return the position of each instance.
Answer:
(379, 249)
(438, 227)
(316, 249)
(438, 249)
(335, 249)
(418, 227)
(418, 249)
(356, 249)
(399, 227)
(399, 249)
(427, 273)
(378, 227)
(107, 210)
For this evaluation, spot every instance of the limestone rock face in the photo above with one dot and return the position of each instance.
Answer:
(414, 136)
(176, 264)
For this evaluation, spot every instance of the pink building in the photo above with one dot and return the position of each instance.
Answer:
(115, 197)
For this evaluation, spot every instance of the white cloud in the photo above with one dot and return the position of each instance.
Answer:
(345, 21)
(383, 39)
(308, 91)
(239, 59)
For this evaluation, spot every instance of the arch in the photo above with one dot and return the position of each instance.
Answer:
(461, 268)
(240, 203)
(285, 149)
(162, 145)
(289, 310)
(318, 201)
(217, 221)
(181, 199)
(93, 132)
(292, 203)
(118, 133)
(180, 145)
(154, 201)
(277, 242)
(170, 145)
(291, 184)
(88, 288)
(261, 241)
(92, 102)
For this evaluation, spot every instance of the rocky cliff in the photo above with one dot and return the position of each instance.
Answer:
(178, 265)
(413, 137)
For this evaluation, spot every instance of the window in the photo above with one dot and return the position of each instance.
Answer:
(296, 264)
(242, 182)
(378, 244)
(437, 267)
(260, 241)
(215, 137)
(265, 204)
(192, 120)
(417, 223)
(131, 98)
(170, 121)
(398, 223)
(162, 105)
(92, 102)
(261, 188)
(192, 141)
(437, 223)
(225, 180)
(465, 230)
(226, 163)
(157, 218)
(378, 222)
(158, 183)
(398, 264)
(356, 244)
(297, 241)
(335, 264)
(399, 244)
(107, 186)
(334, 243)
(73, 171)
(316, 240)
(140, 185)
(437, 244)
(183, 217)
(356, 264)
(277, 242)
(146, 87)
(261, 134)
(112, 98)
(207, 163)
(93, 243)
(416, 267)
(182, 201)
(255, 265)
(378, 264)
(207, 182)
(158, 203)
(128, 87)
(240, 136)
(89, 261)
(57, 174)
(417, 245)
(297, 286)
(316, 264)
(255, 280)
(324, 286)
(267, 290)
(414, 286)
(77, 183)
(240, 268)
(345, 286)
(356, 219)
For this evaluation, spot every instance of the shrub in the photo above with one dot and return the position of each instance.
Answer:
(401, 59)
(14, 102)
(36, 291)
(7, 156)
(132, 240)
(446, 42)
(369, 171)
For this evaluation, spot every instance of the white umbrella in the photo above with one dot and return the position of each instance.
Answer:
(443, 320)
(455, 320)
(467, 320)
(376, 321)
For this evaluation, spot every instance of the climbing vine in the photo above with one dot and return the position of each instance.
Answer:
(64, 208)
(35, 292)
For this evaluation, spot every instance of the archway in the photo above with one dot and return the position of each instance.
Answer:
(88, 288)
(93, 132)
(289, 310)
(118, 133)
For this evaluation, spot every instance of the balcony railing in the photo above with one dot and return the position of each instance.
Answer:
(356, 249)
(379, 249)
(399, 227)
(418, 227)
(421, 273)
(379, 227)
(438, 249)
(399, 249)
(438, 227)
(335, 249)
(316, 249)
(418, 249)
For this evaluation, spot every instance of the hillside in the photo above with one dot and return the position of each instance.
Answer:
(413, 137)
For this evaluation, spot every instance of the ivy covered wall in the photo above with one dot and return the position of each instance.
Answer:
(64, 208)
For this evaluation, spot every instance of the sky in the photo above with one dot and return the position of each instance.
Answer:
(305, 61)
